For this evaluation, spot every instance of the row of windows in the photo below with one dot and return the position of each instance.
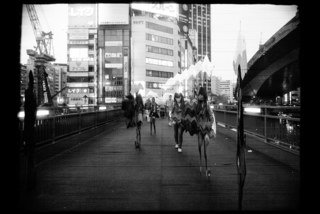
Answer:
(116, 32)
(158, 50)
(159, 39)
(80, 79)
(113, 73)
(163, 74)
(113, 93)
(157, 27)
(114, 60)
(116, 82)
(159, 62)
(153, 85)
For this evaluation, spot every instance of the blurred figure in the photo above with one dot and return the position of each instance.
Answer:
(30, 109)
(148, 108)
(128, 108)
(169, 107)
(153, 115)
(139, 107)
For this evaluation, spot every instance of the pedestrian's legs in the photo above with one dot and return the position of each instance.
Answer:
(151, 121)
(175, 130)
(180, 135)
(154, 125)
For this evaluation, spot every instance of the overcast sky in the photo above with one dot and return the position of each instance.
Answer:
(258, 22)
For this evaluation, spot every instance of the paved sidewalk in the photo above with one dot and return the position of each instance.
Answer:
(106, 173)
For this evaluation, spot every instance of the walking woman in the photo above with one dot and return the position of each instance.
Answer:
(206, 125)
(138, 118)
(153, 115)
(177, 116)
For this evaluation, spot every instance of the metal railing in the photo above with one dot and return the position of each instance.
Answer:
(276, 125)
(56, 126)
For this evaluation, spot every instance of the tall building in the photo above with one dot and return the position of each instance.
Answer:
(24, 79)
(60, 79)
(30, 66)
(113, 52)
(200, 29)
(215, 85)
(226, 89)
(156, 44)
(200, 20)
(82, 54)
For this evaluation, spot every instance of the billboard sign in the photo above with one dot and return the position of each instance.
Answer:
(163, 9)
(113, 14)
(82, 15)
(78, 66)
(78, 34)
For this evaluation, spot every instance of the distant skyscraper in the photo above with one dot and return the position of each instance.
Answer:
(200, 20)
(200, 24)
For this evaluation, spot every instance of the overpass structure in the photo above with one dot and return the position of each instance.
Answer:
(275, 69)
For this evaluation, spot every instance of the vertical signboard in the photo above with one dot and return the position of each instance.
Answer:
(82, 15)
(184, 12)
(125, 75)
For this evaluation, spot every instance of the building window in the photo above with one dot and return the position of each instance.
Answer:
(159, 39)
(162, 74)
(77, 79)
(158, 50)
(153, 85)
(157, 27)
(159, 62)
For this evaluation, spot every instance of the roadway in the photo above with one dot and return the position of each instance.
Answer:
(100, 170)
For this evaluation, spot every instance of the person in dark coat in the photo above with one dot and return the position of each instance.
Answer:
(139, 108)
(30, 109)
(128, 107)
(177, 117)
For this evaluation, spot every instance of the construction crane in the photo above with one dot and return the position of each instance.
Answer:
(43, 54)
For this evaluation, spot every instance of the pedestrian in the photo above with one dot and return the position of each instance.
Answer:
(139, 107)
(177, 116)
(206, 125)
(169, 106)
(153, 115)
(128, 107)
(30, 109)
(147, 109)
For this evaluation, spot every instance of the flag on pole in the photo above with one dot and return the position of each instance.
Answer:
(240, 68)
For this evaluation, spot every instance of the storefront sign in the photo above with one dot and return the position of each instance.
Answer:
(78, 66)
(113, 65)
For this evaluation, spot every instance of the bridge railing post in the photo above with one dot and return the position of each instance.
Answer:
(79, 119)
(265, 124)
(53, 128)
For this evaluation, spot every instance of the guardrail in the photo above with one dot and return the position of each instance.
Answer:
(275, 125)
(54, 127)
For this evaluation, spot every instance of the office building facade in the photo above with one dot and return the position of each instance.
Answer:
(200, 30)
(155, 50)
(82, 55)
(113, 52)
